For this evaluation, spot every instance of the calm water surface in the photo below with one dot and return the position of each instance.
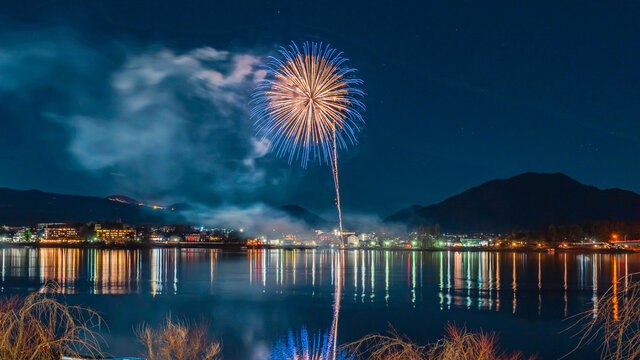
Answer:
(254, 298)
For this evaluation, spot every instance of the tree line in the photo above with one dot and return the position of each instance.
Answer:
(601, 230)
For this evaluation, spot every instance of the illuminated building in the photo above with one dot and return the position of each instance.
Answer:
(254, 242)
(166, 229)
(326, 238)
(61, 233)
(156, 237)
(192, 237)
(115, 235)
(353, 241)
(23, 235)
(216, 238)
(473, 242)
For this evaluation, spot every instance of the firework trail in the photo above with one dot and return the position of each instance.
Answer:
(308, 106)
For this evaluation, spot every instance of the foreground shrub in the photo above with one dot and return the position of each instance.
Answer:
(387, 347)
(457, 344)
(178, 340)
(40, 327)
(614, 323)
(461, 344)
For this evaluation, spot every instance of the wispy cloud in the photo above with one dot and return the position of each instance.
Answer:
(172, 116)
(169, 123)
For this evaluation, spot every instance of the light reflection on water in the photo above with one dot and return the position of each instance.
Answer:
(520, 284)
(464, 279)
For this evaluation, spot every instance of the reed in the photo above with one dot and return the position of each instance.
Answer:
(457, 344)
(178, 340)
(461, 344)
(40, 327)
(614, 322)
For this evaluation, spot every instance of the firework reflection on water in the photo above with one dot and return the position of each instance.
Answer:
(319, 347)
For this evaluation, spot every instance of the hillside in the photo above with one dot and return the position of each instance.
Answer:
(25, 207)
(530, 201)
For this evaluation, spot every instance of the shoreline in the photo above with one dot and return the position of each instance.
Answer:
(242, 247)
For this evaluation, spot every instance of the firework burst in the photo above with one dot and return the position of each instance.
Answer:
(307, 101)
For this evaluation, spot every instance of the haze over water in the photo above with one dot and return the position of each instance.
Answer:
(254, 298)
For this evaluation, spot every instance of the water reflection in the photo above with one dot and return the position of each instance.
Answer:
(464, 280)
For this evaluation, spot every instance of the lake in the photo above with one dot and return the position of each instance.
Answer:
(253, 298)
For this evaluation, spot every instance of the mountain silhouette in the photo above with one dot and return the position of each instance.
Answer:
(26, 207)
(530, 201)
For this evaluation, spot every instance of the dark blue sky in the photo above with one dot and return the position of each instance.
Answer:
(148, 98)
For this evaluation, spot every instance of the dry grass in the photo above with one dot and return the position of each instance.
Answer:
(457, 344)
(178, 340)
(40, 327)
(461, 344)
(387, 347)
(615, 324)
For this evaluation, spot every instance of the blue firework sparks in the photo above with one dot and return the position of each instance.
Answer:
(304, 348)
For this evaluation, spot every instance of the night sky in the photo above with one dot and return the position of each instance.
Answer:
(150, 98)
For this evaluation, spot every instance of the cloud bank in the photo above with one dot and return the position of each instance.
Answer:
(174, 119)
(148, 121)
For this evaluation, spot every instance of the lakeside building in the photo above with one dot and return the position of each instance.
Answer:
(285, 240)
(165, 229)
(23, 235)
(474, 242)
(6, 237)
(216, 239)
(289, 237)
(194, 237)
(361, 240)
(353, 241)
(325, 238)
(255, 242)
(61, 233)
(115, 234)
(157, 237)
(466, 240)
